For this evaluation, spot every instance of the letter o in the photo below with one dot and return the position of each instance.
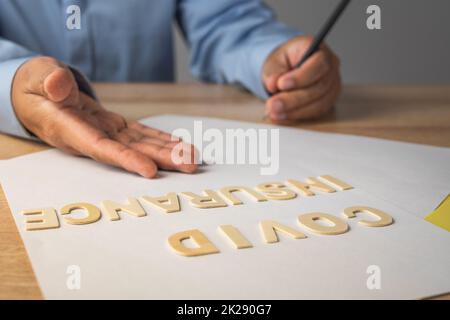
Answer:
(309, 222)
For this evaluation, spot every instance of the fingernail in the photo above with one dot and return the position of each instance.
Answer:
(278, 106)
(287, 84)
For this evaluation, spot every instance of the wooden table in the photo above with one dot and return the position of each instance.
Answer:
(413, 114)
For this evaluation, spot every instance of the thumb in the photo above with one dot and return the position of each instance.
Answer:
(51, 79)
(276, 66)
(60, 85)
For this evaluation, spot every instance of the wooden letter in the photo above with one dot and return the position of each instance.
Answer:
(204, 245)
(311, 184)
(41, 219)
(269, 228)
(211, 200)
(227, 193)
(384, 218)
(112, 208)
(235, 236)
(309, 222)
(339, 184)
(169, 203)
(276, 191)
(93, 213)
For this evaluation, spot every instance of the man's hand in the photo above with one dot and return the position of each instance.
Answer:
(48, 102)
(305, 93)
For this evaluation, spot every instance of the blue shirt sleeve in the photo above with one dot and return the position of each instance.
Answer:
(8, 121)
(231, 39)
(12, 56)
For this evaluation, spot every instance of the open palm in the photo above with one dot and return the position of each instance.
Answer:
(48, 102)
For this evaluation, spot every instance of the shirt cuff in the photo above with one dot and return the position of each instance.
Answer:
(8, 120)
(258, 56)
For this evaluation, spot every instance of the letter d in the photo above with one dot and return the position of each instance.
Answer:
(204, 246)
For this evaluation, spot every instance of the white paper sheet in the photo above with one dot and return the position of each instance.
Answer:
(418, 175)
(130, 258)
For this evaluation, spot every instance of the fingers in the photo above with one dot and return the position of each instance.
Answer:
(151, 132)
(162, 155)
(313, 87)
(277, 64)
(78, 134)
(159, 150)
(114, 153)
(310, 72)
(104, 134)
(159, 146)
(279, 73)
(314, 109)
(279, 105)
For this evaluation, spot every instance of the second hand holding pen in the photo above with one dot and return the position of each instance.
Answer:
(320, 37)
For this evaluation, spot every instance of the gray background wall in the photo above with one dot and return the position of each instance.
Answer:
(413, 46)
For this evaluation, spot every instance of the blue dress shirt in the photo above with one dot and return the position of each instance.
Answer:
(132, 41)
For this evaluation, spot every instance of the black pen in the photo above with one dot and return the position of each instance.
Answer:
(318, 39)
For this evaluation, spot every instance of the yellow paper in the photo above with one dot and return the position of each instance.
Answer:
(441, 216)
